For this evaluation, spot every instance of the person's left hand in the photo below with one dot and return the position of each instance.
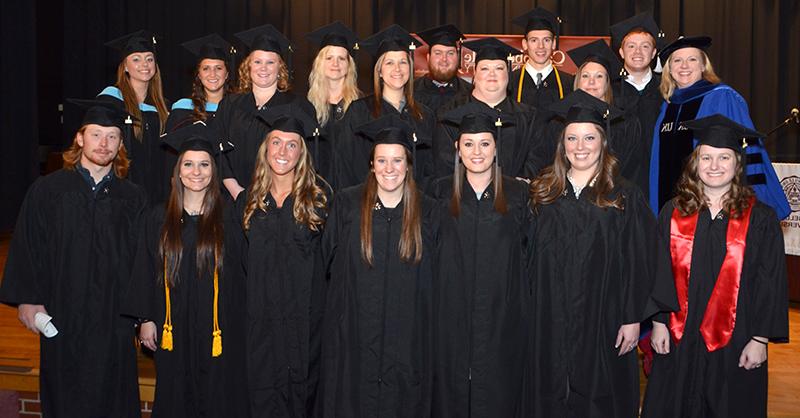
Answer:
(753, 355)
(627, 338)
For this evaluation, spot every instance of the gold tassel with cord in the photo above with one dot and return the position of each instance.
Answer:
(216, 342)
(166, 334)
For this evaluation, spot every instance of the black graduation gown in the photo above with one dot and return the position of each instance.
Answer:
(482, 306)
(691, 382)
(237, 120)
(519, 150)
(435, 97)
(591, 273)
(545, 95)
(377, 343)
(285, 301)
(180, 116)
(189, 381)
(354, 150)
(645, 106)
(72, 251)
(149, 167)
(322, 150)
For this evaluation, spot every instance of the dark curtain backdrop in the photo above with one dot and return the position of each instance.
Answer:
(54, 49)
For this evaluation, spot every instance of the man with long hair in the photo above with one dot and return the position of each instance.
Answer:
(71, 251)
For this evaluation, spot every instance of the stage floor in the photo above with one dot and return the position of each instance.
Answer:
(19, 355)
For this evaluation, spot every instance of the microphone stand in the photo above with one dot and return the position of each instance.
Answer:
(793, 115)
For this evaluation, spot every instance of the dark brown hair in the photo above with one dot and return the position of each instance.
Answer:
(459, 175)
(690, 195)
(199, 97)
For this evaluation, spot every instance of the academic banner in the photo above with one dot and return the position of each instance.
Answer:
(789, 175)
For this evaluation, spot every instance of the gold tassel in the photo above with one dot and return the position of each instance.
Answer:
(216, 342)
(216, 345)
(166, 334)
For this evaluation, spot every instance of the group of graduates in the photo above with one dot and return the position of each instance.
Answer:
(437, 248)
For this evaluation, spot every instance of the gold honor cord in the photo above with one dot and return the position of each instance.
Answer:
(522, 78)
(216, 334)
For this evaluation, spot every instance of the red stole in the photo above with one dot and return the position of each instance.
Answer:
(720, 316)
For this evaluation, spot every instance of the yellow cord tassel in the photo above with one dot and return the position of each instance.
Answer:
(216, 342)
(166, 334)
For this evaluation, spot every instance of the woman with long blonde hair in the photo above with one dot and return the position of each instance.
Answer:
(380, 241)
(138, 90)
(692, 90)
(283, 215)
(722, 250)
(393, 82)
(332, 89)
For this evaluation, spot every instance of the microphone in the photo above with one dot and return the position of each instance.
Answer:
(796, 115)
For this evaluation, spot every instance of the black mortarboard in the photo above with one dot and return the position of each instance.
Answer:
(642, 21)
(580, 106)
(699, 42)
(720, 132)
(393, 38)
(196, 137)
(292, 118)
(476, 117)
(389, 129)
(597, 51)
(210, 46)
(447, 35)
(139, 41)
(336, 34)
(539, 19)
(103, 113)
(265, 38)
(491, 49)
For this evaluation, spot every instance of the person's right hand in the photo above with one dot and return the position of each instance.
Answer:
(147, 335)
(659, 339)
(27, 315)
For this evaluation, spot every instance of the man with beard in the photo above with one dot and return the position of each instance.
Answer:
(71, 252)
(519, 153)
(444, 56)
(539, 83)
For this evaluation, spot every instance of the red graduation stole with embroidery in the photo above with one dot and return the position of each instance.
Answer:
(720, 317)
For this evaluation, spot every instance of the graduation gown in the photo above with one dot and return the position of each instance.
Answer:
(354, 150)
(237, 121)
(692, 382)
(672, 144)
(519, 149)
(645, 106)
(482, 305)
(149, 166)
(591, 273)
(72, 251)
(545, 95)
(435, 97)
(285, 301)
(182, 114)
(189, 381)
(377, 343)
(322, 150)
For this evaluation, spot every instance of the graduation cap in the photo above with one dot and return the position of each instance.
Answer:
(699, 42)
(447, 35)
(393, 38)
(210, 46)
(139, 41)
(720, 132)
(292, 118)
(265, 38)
(103, 113)
(642, 22)
(336, 34)
(475, 117)
(597, 51)
(581, 106)
(539, 19)
(492, 49)
(197, 137)
(392, 129)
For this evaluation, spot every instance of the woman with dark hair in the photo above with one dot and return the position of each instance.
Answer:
(393, 81)
(380, 241)
(692, 90)
(264, 82)
(724, 252)
(210, 83)
(590, 269)
(187, 288)
(284, 213)
(332, 89)
(138, 91)
(481, 310)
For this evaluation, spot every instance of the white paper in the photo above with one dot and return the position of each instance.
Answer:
(44, 323)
